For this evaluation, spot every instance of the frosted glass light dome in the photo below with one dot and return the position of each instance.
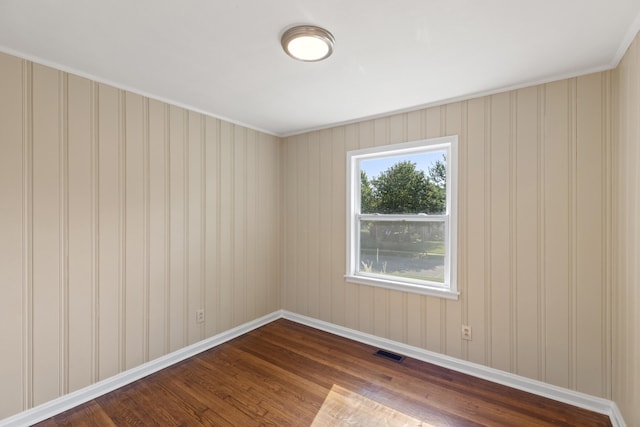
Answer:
(307, 43)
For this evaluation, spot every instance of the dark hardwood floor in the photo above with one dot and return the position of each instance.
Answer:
(287, 374)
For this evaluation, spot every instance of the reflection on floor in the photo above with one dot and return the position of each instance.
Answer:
(346, 408)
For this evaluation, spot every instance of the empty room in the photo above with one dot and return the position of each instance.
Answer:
(422, 212)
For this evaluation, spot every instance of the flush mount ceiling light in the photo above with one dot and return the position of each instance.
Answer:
(308, 43)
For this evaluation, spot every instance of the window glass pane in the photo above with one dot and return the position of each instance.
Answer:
(406, 184)
(405, 249)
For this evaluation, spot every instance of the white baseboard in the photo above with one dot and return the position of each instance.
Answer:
(571, 397)
(68, 401)
(616, 416)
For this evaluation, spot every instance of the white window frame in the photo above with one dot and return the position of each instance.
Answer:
(449, 288)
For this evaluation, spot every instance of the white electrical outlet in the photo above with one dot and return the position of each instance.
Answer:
(466, 332)
(200, 316)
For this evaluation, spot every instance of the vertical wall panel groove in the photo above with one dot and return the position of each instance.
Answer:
(238, 219)
(487, 232)
(203, 219)
(513, 232)
(95, 232)
(572, 220)
(231, 315)
(210, 230)
(218, 169)
(324, 265)
(313, 254)
(27, 230)
(541, 244)
(344, 310)
(167, 231)
(247, 226)
(240, 209)
(226, 226)
(156, 238)
(617, 242)
(253, 233)
(146, 263)
(607, 229)
(186, 228)
(122, 232)
(63, 215)
(463, 218)
(177, 226)
(302, 210)
(146, 196)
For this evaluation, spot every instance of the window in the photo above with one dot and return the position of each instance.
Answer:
(401, 227)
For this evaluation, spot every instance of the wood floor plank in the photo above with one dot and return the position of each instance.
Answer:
(287, 392)
(287, 374)
(87, 415)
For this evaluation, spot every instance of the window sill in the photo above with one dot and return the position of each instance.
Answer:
(403, 287)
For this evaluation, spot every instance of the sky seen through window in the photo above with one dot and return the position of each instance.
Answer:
(374, 167)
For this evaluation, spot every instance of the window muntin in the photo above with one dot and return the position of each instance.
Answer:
(402, 216)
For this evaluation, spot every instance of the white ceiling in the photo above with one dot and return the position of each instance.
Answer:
(225, 58)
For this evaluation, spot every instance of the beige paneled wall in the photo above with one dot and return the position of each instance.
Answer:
(626, 341)
(119, 217)
(534, 233)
